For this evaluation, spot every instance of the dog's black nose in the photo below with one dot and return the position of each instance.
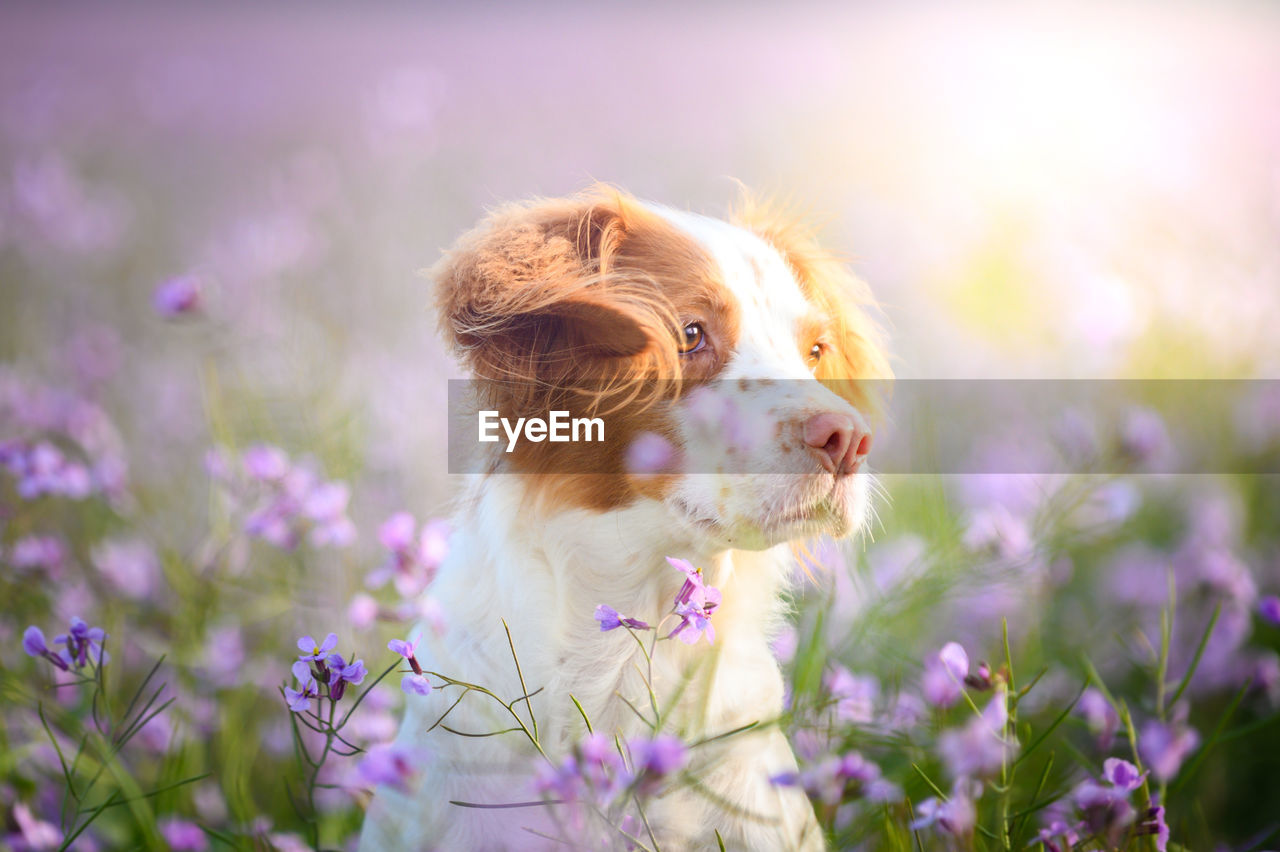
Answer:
(839, 441)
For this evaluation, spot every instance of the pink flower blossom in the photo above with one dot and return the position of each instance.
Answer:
(413, 561)
(650, 454)
(1165, 745)
(943, 680)
(177, 297)
(982, 745)
(392, 765)
(129, 564)
(694, 604)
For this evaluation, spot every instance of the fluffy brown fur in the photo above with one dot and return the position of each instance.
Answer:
(576, 304)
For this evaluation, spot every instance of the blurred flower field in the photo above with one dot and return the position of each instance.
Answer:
(222, 401)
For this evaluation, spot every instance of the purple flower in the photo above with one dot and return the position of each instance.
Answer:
(342, 673)
(1269, 608)
(407, 648)
(953, 656)
(652, 760)
(1122, 774)
(312, 650)
(183, 835)
(177, 297)
(286, 501)
(944, 674)
(404, 647)
(1055, 830)
(1164, 746)
(651, 454)
(300, 699)
(599, 761)
(353, 672)
(33, 643)
(326, 506)
(593, 767)
(1104, 808)
(695, 617)
(412, 565)
(981, 746)
(1153, 823)
(659, 756)
(84, 644)
(829, 780)
(35, 833)
(855, 695)
(392, 765)
(563, 780)
(273, 524)
(38, 551)
(611, 619)
(979, 678)
(128, 564)
(693, 578)
(694, 603)
(415, 684)
(43, 469)
(396, 532)
(57, 443)
(433, 542)
(285, 842)
(265, 463)
(1099, 715)
(1143, 436)
(956, 816)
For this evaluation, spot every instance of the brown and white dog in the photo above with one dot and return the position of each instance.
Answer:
(603, 288)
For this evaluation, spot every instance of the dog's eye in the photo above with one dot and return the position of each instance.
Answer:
(692, 339)
(815, 354)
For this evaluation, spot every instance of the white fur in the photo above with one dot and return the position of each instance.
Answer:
(545, 576)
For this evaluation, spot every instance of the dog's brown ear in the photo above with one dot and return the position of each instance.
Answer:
(535, 294)
(600, 328)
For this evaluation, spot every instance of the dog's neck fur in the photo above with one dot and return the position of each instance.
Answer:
(545, 576)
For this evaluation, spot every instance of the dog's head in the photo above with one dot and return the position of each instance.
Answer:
(743, 346)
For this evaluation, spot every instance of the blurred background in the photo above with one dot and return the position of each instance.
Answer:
(1060, 191)
(1049, 190)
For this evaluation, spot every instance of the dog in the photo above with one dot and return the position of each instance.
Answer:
(642, 309)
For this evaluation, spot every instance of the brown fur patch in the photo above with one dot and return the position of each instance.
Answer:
(576, 304)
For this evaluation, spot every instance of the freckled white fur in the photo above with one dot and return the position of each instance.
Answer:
(545, 576)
